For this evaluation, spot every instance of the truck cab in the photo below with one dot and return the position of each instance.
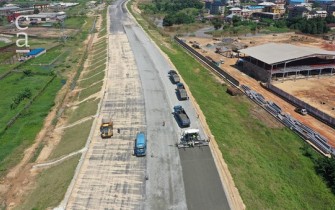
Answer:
(180, 85)
(140, 145)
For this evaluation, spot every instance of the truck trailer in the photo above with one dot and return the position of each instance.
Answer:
(182, 94)
(174, 77)
(182, 118)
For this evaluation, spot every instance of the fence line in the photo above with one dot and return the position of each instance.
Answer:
(297, 102)
(202, 58)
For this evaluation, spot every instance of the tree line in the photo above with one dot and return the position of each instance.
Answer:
(173, 6)
(310, 26)
(324, 166)
(176, 11)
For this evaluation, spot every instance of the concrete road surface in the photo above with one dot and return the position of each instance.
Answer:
(139, 97)
(203, 188)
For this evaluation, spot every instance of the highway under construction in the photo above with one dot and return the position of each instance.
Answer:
(139, 97)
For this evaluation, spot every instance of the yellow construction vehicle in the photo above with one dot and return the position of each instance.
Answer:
(106, 128)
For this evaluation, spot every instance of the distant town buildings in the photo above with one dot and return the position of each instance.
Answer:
(273, 9)
(46, 11)
(304, 11)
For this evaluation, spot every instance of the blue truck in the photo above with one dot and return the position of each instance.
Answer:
(140, 148)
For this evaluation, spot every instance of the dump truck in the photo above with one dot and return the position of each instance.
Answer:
(182, 118)
(191, 138)
(182, 94)
(106, 128)
(174, 77)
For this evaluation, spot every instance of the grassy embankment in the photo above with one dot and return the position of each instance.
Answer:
(14, 140)
(57, 178)
(47, 194)
(90, 83)
(22, 133)
(2, 43)
(267, 164)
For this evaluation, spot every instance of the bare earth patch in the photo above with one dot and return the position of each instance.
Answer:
(318, 92)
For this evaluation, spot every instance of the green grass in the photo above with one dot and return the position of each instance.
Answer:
(43, 43)
(98, 48)
(272, 29)
(23, 132)
(90, 90)
(101, 40)
(86, 83)
(37, 69)
(230, 31)
(100, 44)
(266, 163)
(98, 62)
(100, 55)
(74, 22)
(89, 23)
(51, 185)
(6, 56)
(37, 152)
(47, 57)
(94, 71)
(103, 30)
(2, 44)
(85, 109)
(11, 86)
(74, 139)
(6, 67)
(241, 30)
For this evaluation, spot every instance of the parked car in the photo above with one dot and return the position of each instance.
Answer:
(301, 111)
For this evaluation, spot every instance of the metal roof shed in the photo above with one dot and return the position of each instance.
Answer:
(36, 52)
(274, 53)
